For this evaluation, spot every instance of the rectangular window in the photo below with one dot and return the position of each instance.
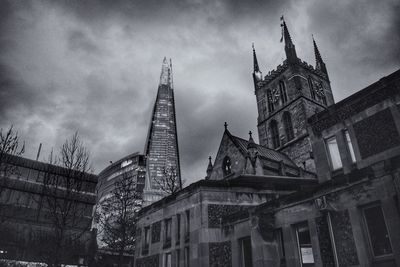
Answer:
(147, 236)
(304, 245)
(167, 261)
(187, 257)
(350, 146)
(281, 249)
(334, 155)
(178, 258)
(167, 231)
(146, 240)
(187, 225)
(377, 231)
(178, 228)
(246, 254)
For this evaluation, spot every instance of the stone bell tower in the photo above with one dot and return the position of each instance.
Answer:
(286, 97)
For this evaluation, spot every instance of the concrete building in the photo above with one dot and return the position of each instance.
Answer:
(27, 220)
(161, 150)
(322, 188)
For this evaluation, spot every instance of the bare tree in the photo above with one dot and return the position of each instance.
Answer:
(117, 217)
(9, 147)
(169, 183)
(65, 205)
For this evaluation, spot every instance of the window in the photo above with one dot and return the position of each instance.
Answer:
(270, 101)
(283, 93)
(350, 146)
(246, 258)
(167, 260)
(226, 166)
(334, 155)
(287, 122)
(178, 228)
(281, 249)
(274, 134)
(377, 231)
(304, 245)
(178, 258)
(146, 240)
(187, 257)
(311, 86)
(167, 232)
(187, 225)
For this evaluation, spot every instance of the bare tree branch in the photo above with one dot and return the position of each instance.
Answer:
(117, 217)
(169, 183)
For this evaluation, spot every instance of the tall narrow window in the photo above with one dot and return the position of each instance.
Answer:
(334, 155)
(282, 91)
(167, 261)
(178, 258)
(246, 257)
(226, 166)
(273, 126)
(146, 240)
(281, 249)
(287, 122)
(270, 101)
(187, 257)
(187, 225)
(167, 232)
(377, 231)
(178, 228)
(304, 245)
(350, 146)
(311, 86)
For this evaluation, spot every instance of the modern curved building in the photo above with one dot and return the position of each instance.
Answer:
(133, 165)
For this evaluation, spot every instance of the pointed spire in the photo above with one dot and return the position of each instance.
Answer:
(165, 73)
(209, 168)
(226, 126)
(251, 143)
(319, 63)
(171, 80)
(255, 62)
(290, 48)
(257, 74)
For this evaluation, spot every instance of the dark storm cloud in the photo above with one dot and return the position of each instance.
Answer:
(93, 66)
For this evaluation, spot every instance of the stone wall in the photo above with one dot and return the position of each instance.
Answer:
(376, 133)
(343, 233)
(217, 212)
(227, 148)
(220, 254)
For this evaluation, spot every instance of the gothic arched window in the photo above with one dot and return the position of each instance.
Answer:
(282, 91)
(226, 166)
(287, 123)
(273, 126)
(310, 84)
(269, 101)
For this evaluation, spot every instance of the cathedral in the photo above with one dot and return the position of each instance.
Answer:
(321, 189)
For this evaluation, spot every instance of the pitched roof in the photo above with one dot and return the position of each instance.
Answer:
(262, 150)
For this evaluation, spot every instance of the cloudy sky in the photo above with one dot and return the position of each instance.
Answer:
(94, 66)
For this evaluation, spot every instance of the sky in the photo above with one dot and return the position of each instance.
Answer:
(94, 66)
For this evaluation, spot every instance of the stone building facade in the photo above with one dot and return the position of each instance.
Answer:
(26, 217)
(328, 195)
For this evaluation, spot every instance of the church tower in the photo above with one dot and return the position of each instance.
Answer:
(161, 150)
(287, 97)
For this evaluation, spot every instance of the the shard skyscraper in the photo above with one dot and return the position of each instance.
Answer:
(161, 150)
